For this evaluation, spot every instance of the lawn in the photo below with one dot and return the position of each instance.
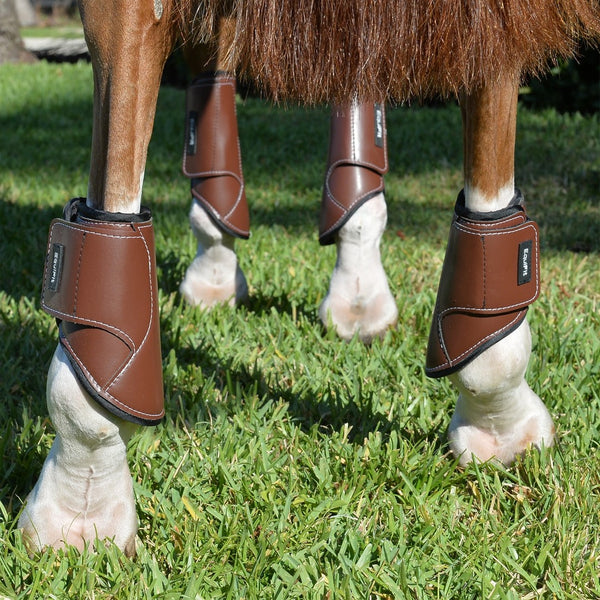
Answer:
(291, 464)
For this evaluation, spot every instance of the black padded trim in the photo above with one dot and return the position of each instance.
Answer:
(517, 204)
(78, 207)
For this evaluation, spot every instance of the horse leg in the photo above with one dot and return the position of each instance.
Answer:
(212, 160)
(480, 335)
(354, 215)
(100, 282)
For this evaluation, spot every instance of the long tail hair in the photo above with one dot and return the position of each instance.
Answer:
(334, 50)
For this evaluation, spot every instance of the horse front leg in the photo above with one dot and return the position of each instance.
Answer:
(100, 284)
(480, 335)
(354, 216)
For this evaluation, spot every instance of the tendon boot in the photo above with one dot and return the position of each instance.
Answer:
(356, 165)
(211, 157)
(489, 278)
(100, 284)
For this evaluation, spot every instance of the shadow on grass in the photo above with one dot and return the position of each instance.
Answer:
(260, 304)
(284, 153)
(329, 409)
(23, 238)
(26, 350)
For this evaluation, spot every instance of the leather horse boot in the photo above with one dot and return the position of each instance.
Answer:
(100, 284)
(489, 278)
(211, 157)
(356, 165)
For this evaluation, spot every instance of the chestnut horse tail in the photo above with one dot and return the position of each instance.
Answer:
(335, 50)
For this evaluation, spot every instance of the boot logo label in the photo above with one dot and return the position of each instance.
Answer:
(524, 266)
(191, 138)
(56, 264)
(378, 125)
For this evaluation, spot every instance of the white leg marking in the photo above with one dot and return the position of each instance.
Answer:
(85, 490)
(214, 276)
(477, 201)
(359, 298)
(127, 206)
(136, 206)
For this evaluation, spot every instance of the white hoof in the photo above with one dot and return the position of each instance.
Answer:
(214, 276)
(497, 415)
(206, 284)
(359, 300)
(85, 491)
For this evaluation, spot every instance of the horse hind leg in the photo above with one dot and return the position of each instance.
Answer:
(214, 275)
(95, 392)
(354, 216)
(480, 335)
(212, 160)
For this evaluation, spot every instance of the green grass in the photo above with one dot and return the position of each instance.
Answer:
(291, 464)
(74, 31)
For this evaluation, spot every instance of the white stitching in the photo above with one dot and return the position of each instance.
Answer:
(508, 307)
(474, 312)
(57, 312)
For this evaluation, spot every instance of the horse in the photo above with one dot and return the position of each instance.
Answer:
(105, 377)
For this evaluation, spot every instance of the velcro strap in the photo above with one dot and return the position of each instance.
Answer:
(495, 265)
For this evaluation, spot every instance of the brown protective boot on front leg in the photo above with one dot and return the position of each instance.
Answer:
(212, 157)
(100, 284)
(356, 165)
(489, 278)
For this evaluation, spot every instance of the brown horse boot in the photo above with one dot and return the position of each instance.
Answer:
(489, 278)
(100, 284)
(356, 165)
(211, 157)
